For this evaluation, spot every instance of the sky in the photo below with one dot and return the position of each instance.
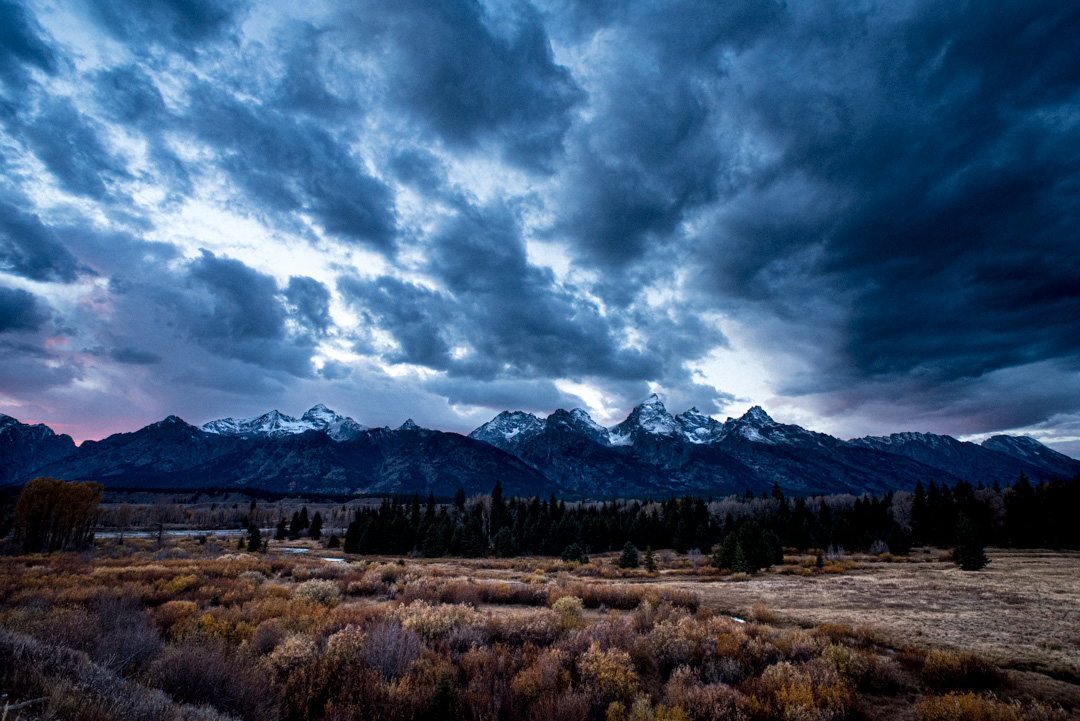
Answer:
(863, 216)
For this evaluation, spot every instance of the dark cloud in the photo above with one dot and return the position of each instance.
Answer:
(311, 299)
(244, 301)
(179, 24)
(21, 45)
(134, 356)
(26, 369)
(290, 165)
(467, 81)
(921, 189)
(654, 150)
(68, 143)
(501, 321)
(31, 249)
(20, 310)
(538, 396)
(880, 200)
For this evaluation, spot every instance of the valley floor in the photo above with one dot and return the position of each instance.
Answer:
(197, 630)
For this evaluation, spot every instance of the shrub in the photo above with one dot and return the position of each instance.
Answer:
(608, 674)
(762, 613)
(970, 707)
(705, 702)
(391, 649)
(432, 621)
(267, 636)
(319, 592)
(293, 652)
(196, 674)
(951, 671)
(570, 610)
(547, 674)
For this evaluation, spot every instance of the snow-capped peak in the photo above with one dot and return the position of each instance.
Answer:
(276, 425)
(340, 428)
(409, 425)
(757, 416)
(508, 428)
(699, 428)
(649, 417)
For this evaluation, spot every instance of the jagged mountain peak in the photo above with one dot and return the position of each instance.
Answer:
(171, 420)
(757, 416)
(276, 424)
(409, 425)
(699, 428)
(905, 437)
(508, 428)
(650, 417)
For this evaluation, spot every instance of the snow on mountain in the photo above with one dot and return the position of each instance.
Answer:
(509, 428)
(409, 425)
(699, 428)
(276, 425)
(754, 425)
(581, 422)
(648, 418)
(758, 426)
(340, 428)
(1026, 448)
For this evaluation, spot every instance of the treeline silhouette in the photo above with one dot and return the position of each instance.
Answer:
(1022, 515)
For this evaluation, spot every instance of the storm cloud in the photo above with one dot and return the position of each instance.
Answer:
(862, 217)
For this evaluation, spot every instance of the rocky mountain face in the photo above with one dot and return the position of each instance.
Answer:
(24, 447)
(651, 453)
(277, 425)
(321, 452)
(654, 452)
(1029, 450)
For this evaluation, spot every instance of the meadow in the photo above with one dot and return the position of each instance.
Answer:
(197, 629)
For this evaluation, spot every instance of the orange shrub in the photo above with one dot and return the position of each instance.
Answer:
(951, 671)
(971, 707)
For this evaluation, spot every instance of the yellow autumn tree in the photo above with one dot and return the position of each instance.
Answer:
(54, 515)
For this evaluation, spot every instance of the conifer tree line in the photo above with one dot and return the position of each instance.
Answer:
(743, 533)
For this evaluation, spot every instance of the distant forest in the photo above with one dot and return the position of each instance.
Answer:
(1023, 515)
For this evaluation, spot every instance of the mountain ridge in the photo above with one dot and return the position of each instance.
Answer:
(651, 452)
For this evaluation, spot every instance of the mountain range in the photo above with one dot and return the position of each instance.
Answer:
(651, 453)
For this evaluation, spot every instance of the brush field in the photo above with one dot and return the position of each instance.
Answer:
(199, 630)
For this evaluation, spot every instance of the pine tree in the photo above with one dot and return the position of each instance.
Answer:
(254, 539)
(433, 543)
(629, 556)
(505, 546)
(334, 542)
(573, 552)
(282, 532)
(316, 526)
(352, 538)
(444, 699)
(650, 562)
(969, 553)
(739, 564)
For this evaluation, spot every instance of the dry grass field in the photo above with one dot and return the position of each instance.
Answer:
(1021, 611)
(199, 630)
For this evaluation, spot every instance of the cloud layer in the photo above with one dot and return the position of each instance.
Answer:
(863, 217)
